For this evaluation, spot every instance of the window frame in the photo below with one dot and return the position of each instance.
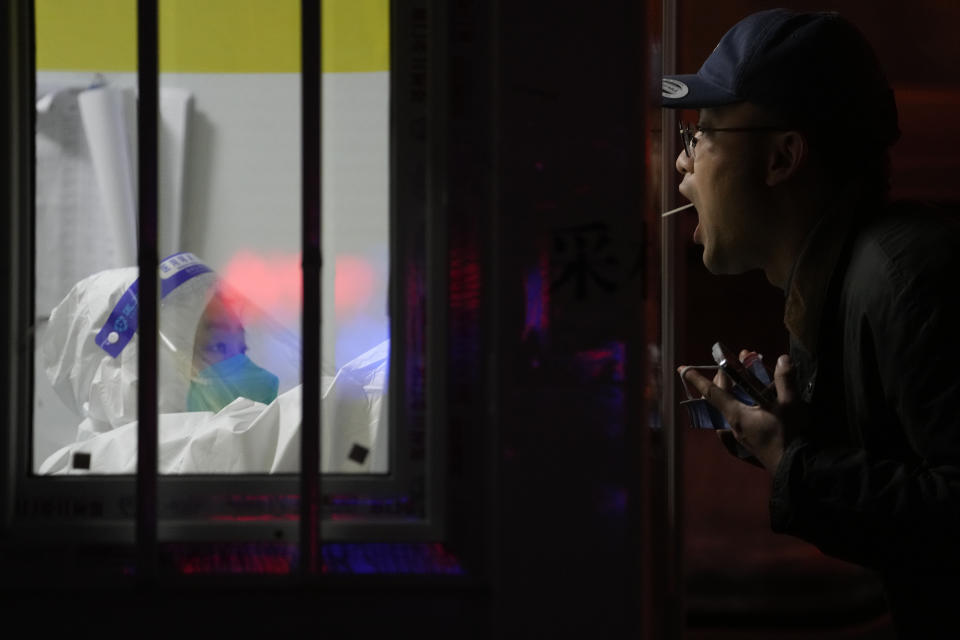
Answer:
(100, 509)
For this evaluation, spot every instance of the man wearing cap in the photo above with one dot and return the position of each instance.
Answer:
(788, 171)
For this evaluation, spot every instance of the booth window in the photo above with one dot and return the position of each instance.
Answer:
(267, 173)
(229, 238)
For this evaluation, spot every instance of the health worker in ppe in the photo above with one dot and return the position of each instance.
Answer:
(220, 410)
(90, 346)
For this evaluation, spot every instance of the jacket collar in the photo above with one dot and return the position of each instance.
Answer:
(815, 267)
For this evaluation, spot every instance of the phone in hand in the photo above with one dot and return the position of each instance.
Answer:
(752, 382)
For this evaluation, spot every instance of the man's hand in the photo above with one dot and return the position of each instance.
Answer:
(763, 432)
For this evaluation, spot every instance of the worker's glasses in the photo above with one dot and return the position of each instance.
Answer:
(690, 134)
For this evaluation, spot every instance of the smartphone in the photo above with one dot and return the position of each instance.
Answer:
(750, 378)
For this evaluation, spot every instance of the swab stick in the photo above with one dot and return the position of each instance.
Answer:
(678, 209)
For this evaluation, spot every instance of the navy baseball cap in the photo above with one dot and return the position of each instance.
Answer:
(812, 69)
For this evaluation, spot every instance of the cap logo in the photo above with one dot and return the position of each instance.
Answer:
(673, 89)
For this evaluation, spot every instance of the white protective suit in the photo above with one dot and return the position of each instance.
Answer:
(243, 437)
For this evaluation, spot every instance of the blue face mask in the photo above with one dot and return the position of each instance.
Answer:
(220, 384)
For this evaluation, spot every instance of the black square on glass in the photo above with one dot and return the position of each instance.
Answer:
(358, 453)
(81, 460)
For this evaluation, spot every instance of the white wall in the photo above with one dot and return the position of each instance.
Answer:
(242, 196)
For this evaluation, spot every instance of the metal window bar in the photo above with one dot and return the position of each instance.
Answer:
(668, 259)
(147, 260)
(310, 74)
(17, 188)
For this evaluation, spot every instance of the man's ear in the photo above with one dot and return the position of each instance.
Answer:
(787, 154)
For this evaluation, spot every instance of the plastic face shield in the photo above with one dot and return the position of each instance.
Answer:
(223, 371)
(214, 345)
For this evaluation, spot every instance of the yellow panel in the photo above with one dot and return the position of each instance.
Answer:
(224, 36)
(87, 35)
(249, 36)
(356, 35)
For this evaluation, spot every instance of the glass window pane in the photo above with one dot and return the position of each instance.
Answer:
(356, 330)
(230, 224)
(229, 237)
(85, 224)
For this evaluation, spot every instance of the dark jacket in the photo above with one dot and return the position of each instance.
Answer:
(876, 478)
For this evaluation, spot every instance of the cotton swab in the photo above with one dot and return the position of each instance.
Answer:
(678, 209)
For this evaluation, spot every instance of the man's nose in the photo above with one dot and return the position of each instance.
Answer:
(684, 163)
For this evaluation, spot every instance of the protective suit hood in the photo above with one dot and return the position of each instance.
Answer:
(90, 346)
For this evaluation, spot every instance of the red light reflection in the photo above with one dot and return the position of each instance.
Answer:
(273, 283)
(352, 284)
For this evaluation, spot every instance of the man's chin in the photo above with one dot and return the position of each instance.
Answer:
(710, 262)
(719, 266)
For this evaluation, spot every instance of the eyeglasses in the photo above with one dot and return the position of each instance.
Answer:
(688, 133)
